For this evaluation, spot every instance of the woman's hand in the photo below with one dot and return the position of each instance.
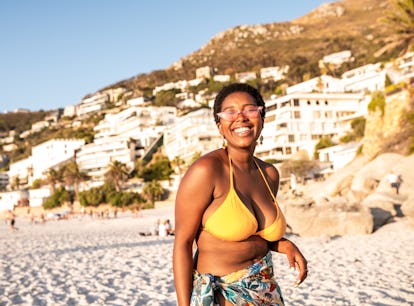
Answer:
(295, 257)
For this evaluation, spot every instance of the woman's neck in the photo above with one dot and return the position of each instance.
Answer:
(242, 159)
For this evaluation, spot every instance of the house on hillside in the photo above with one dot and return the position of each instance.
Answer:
(323, 83)
(367, 78)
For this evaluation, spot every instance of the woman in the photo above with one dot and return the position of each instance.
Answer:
(226, 204)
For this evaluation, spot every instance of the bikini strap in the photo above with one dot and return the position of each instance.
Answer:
(265, 180)
(231, 172)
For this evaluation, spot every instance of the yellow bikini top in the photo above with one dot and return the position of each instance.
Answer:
(233, 221)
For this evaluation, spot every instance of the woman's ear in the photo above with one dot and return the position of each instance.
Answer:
(220, 128)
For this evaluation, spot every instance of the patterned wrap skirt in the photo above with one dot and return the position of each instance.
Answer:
(254, 285)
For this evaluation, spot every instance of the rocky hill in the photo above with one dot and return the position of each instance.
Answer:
(353, 25)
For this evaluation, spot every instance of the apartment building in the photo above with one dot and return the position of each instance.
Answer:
(92, 104)
(124, 136)
(273, 73)
(52, 154)
(323, 83)
(20, 172)
(367, 78)
(340, 155)
(296, 122)
(194, 132)
(134, 120)
(4, 180)
(95, 158)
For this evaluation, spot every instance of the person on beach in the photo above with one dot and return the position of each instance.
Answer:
(226, 206)
(11, 219)
(395, 181)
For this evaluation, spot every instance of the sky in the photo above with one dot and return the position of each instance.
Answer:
(53, 53)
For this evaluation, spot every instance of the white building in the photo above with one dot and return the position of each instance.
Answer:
(368, 78)
(222, 78)
(92, 104)
(134, 120)
(243, 77)
(40, 125)
(205, 72)
(4, 180)
(69, 111)
(21, 171)
(95, 158)
(403, 68)
(52, 154)
(38, 196)
(124, 136)
(323, 83)
(340, 155)
(8, 200)
(194, 132)
(139, 101)
(338, 58)
(273, 73)
(296, 122)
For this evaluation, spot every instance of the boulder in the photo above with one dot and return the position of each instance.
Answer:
(331, 221)
(367, 179)
(407, 209)
(383, 208)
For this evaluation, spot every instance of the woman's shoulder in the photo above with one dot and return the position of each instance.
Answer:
(268, 168)
(208, 164)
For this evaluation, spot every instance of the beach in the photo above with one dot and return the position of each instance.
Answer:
(92, 261)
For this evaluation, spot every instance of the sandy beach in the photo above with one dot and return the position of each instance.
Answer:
(88, 261)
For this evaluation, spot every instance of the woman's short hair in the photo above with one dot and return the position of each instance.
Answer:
(237, 87)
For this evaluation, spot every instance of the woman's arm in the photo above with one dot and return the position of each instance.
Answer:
(295, 257)
(193, 197)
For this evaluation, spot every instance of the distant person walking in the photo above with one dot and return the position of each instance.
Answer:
(11, 219)
(395, 182)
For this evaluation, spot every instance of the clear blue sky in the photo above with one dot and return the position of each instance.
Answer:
(53, 53)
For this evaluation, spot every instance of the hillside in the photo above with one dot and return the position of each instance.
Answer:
(343, 25)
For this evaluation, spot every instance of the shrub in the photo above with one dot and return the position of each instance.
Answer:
(92, 197)
(57, 199)
(377, 102)
(122, 199)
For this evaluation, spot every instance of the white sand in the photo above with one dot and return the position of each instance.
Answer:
(106, 262)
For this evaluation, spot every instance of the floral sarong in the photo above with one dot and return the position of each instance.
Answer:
(254, 285)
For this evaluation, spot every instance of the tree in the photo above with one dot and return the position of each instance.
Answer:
(53, 177)
(177, 163)
(72, 176)
(117, 174)
(140, 165)
(401, 21)
(195, 156)
(158, 169)
(301, 168)
(153, 191)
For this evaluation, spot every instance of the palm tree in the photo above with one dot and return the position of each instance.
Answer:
(177, 163)
(73, 176)
(117, 174)
(153, 191)
(53, 177)
(401, 21)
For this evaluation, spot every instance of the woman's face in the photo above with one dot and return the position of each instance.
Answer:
(240, 120)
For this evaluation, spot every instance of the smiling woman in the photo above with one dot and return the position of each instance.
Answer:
(226, 203)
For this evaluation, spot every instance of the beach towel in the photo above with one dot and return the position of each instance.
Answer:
(254, 285)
